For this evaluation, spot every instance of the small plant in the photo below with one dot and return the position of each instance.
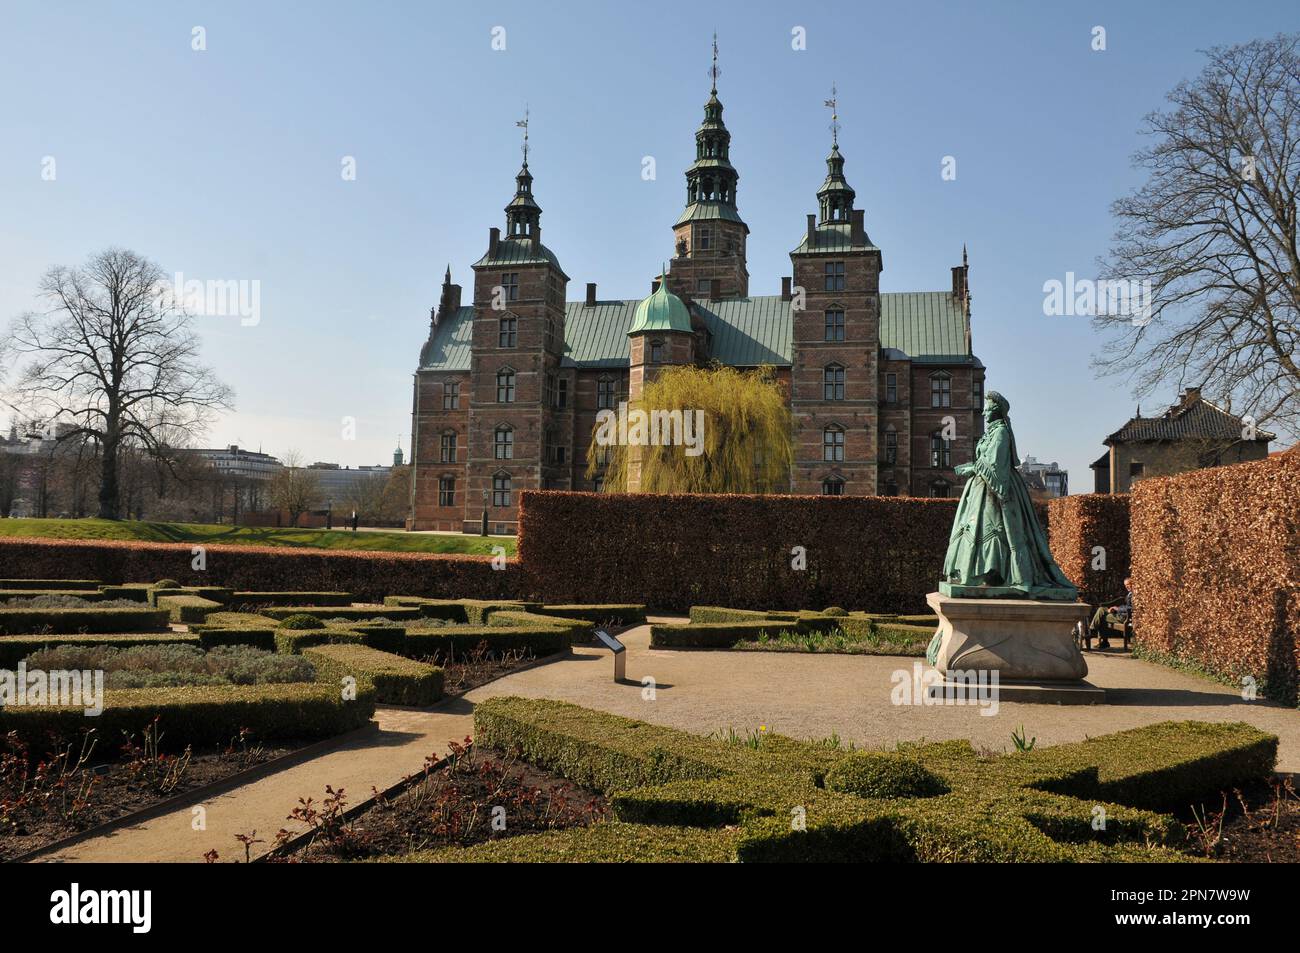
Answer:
(835, 611)
(1209, 827)
(1018, 739)
(167, 584)
(148, 763)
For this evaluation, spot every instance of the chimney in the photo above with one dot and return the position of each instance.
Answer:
(858, 234)
(654, 285)
(537, 237)
(959, 282)
(812, 230)
(494, 238)
(591, 294)
(715, 288)
(785, 288)
(453, 298)
(1191, 395)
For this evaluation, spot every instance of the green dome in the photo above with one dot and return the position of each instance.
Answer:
(662, 311)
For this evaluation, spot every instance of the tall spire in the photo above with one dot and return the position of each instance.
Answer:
(713, 70)
(523, 214)
(833, 105)
(835, 197)
(523, 123)
(711, 179)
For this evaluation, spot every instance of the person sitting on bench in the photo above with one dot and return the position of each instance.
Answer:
(1106, 616)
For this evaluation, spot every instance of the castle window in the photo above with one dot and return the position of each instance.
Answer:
(548, 390)
(446, 491)
(977, 393)
(832, 486)
(891, 388)
(604, 394)
(704, 237)
(941, 389)
(501, 489)
(504, 443)
(447, 447)
(510, 283)
(835, 325)
(550, 334)
(451, 395)
(656, 352)
(507, 332)
(940, 451)
(833, 382)
(835, 276)
(939, 489)
(505, 386)
(833, 444)
(562, 393)
(891, 445)
(703, 287)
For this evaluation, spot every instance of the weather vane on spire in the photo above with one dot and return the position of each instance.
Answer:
(833, 105)
(713, 70)
(523, 124)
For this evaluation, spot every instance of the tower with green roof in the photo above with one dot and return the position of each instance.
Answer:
(709, 236)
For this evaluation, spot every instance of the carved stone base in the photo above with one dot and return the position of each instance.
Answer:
(1030, 640)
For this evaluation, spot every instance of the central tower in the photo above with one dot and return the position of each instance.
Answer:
(709, 236)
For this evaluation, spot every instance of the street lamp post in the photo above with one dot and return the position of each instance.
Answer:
(484, 530)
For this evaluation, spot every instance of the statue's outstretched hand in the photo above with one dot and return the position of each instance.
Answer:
(964, 469)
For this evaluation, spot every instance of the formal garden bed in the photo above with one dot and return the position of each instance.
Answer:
(832, 630)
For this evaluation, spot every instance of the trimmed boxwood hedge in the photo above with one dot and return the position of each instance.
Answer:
(203, 715)
(212, 593)
(15, 648)
(47, 584)
(394, 613)
(292, 598)
(396, 680)
(26, 621)
(717, 635)
(136, 592)
(615, 613)
(187, 608)
(577, 630)
(236, 635)
(613, 842)
(450, 643)
(1031, 807)
(89, 595)
(386, 638)
(293, 641)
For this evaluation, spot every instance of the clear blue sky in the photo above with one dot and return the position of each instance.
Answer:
(225, 164)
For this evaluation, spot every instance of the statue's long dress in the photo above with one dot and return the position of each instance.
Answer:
(996, 540)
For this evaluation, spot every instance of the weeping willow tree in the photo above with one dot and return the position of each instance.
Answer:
(698, 430)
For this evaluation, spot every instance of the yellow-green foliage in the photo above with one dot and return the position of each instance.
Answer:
(1092, 801)
(748, 443)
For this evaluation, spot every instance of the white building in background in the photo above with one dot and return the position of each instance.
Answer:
(236, 462)
(1047, 477)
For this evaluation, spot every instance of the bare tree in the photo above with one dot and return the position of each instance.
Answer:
(1213, 232)
(117, 359)
(294, 488)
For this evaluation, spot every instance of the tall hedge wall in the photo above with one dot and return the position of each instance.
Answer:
(368, 575)
(1216, 570)
(881, 554)
(1079, 524)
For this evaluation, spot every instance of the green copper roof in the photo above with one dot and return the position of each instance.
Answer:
(709, 212)
(833, 237)
(661, 311)
(521, 251)
(927, 327)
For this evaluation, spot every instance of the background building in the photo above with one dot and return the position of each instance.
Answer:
(1045, 478)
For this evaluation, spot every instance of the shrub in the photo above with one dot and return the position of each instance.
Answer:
(263, 599)
(158, 666)
(301, 620)
(387, 637)
(577, 630)
(1216, 571)
(61, 600)
(835, 611)
(671, 551)
(14, 649)
(186, 609)
(293, 641)
(370, 575)
(201, 715)
(614, 613)
(876, 774)
(451, 643)
(396, 680)
(216, 594)
(166, 584)
(132, 593)
(348, 613)
(59, 584)
(1081, 523)
(716, 635)
(96, 619)
(210, 638)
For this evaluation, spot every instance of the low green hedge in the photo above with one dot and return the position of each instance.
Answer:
(77, 621)
(577, 630)
(716, 635)
(1032, 807)
(248, 598)
(47, 585)
(134, 592)
(88, 595)
(216, 594)
(293, 641)
(386, 638)
(396, 680)
(15, 648)
(236, 635)
(451, 643)
(613, 613)
(202, 715)
(705, 614)
(392, 613)
(187, 608)
(600, 843)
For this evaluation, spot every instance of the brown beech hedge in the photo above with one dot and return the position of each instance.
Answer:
(1080, 524)
(369, 576)
(880, 554)
(1216, 570)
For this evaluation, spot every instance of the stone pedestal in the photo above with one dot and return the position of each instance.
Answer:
(1028, 642)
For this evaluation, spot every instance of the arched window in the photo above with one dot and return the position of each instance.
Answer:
(833, 444)
(505, 386)
(833, 486)
(941, 389)
(501, 489)
(504, 443)
(833, 381)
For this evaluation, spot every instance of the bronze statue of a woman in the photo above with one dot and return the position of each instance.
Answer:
(997, 549)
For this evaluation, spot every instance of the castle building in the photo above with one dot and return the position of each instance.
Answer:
(884, 388)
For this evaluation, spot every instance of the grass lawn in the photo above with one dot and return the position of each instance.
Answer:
(395, 541)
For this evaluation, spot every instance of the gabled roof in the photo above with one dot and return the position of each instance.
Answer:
(1193, 417)
(927, 327)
